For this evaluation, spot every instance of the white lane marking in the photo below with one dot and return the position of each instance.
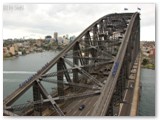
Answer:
(87, 113)
(74, 112)
(89, 102)
(80, 113)
(126, 91)
(73, 106)
(18, 72)
(120, 108)
(125, 95)
(79, 101)
(94, 104)
(123, 100)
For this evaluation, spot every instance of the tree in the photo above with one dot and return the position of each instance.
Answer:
(145, 61)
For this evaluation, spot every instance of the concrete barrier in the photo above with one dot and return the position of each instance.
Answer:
(135, 101)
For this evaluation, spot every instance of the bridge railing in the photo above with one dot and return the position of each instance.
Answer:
(104, 100)
(94, 45)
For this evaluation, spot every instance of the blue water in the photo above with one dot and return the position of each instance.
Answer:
(147, 101)
(17, 70)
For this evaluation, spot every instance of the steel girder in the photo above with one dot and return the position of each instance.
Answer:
(36, 97)
(124, 60)
(97, 41)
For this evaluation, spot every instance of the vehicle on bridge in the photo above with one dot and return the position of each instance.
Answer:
(96, 65)
(82, 107)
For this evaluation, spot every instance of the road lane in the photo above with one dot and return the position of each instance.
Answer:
(126, 106)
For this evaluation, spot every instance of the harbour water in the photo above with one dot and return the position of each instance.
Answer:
(16, 70)
(147, 100)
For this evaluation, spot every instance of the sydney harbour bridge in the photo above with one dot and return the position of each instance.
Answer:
(96, 75)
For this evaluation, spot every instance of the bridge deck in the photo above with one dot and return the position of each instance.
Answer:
(101, 44)
(129, 103)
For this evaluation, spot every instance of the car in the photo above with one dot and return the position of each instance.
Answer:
(64, 112)
(131, 85)
(81, 107)
(115, 114)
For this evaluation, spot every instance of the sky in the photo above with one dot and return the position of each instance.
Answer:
(39, 20)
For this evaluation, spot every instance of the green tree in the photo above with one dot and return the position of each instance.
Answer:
(145, 61)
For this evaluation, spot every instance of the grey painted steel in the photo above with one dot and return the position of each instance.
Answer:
(74, 84)
(108, 89)
(52, 101)
(36, 97)
(60, 87)
(9, 113)
(17, 93)
(94, 46)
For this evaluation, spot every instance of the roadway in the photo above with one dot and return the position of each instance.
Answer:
(17, 93)
(73, 108)
(125, 107)
(127, 101)
(90, 102)
(107, 91)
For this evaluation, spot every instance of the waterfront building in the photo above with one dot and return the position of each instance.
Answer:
(19, 53)
(12, 50)
(19, 44)
(5, 51)
(15, 47)
(26, 43)
(39, 42)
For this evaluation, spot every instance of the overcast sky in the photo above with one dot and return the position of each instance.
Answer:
(39, 20)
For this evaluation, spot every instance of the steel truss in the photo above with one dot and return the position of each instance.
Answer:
(85, 68)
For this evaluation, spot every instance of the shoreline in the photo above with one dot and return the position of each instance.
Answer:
(10, 58)
(14, 57)
(148, 67)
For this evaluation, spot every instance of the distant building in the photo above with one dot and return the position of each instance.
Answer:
(152, 52)
(62, 41)
(20, 44)
(146, 54)
(65, 41)
(48, 38)
(52, 40)
(67, 36)
(12, 50)
(72, 38)
(5, 50)
(15, 47)
(55, 35)
(39, 42)
(152, 55)
(19, 53)
(27, 43)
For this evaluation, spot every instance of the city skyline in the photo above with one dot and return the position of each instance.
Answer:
(39, 20)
